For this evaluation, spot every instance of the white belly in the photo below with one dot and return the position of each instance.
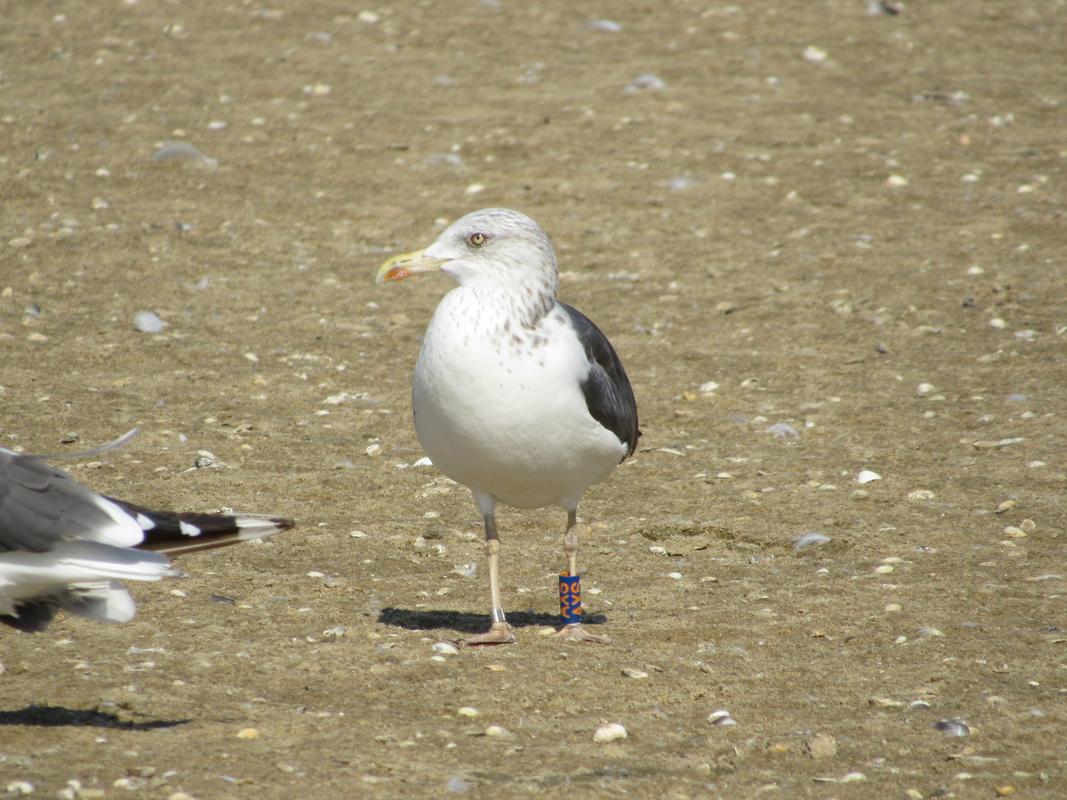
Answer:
(507, 418)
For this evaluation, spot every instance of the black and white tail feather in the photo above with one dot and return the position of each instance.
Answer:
(65, 547)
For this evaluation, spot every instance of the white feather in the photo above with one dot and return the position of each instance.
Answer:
(124, 530)
(25, 575)
(507, 418)
(103, 602)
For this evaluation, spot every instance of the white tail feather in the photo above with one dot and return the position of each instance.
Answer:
(25, 575)
(125, 530)
(103, 602)
(256, 527)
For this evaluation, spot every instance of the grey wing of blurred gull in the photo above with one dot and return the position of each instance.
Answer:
(65, 547)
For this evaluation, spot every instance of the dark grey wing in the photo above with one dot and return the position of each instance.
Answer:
(41, 505)
(33, 615)
(607, 390)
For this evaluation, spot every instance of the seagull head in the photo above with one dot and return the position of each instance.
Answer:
(493, 248)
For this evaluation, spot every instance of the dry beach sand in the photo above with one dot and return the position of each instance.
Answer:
(823, 240)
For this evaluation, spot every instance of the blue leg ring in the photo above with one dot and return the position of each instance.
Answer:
(570, 598)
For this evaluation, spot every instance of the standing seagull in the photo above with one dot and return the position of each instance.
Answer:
(65, 547)
(516, 395)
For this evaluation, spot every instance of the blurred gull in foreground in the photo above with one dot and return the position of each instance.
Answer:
(65, 547)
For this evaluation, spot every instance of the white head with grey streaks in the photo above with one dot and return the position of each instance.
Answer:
(500, 249)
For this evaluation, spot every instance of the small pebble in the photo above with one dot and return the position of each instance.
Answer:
(896, 181)
(18, 788)
(645, 82)
(883, 569)
(611, 732)
(457, 784)
(148, 322)
(444, 648)
(921, 494)
(952, 727)
(248, 733)
(498, 732)
(810, 539)
(630, 672)
(721, 717)
(998, 443)
(605, 25)
(815, 55)
(467, 711)
(866, 476)
(783, 430)
(822, 745)
(182, 151)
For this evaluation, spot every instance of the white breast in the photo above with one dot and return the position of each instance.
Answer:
(500, 409)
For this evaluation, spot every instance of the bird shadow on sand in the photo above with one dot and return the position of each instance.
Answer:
(35, 716)
(471, 623)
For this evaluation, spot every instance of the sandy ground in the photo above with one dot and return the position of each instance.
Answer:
(852, 223)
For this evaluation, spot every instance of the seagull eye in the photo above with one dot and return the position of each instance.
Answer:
(477, 239)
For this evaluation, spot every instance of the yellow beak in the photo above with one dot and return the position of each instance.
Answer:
(399, 267)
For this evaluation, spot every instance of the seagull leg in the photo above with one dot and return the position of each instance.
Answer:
(499, 632)
(575, 631)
